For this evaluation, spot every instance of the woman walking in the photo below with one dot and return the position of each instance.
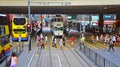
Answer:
(111, 45)
(14, 60)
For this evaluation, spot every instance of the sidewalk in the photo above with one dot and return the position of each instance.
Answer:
(25, 57)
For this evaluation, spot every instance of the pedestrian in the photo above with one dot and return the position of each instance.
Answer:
(53, 38)
(72, 40)
(97, 38)
(54, 43)
(118, 40)
(11, 43)
(38, 41)
(41, 36)
(114, 40)
(83, 40)
(80, 42)
(42, 43)
(63, 39)
(111, 45)
(20, 42)
(61, 43)
(46, 39)
(92, 38)
(14, 60)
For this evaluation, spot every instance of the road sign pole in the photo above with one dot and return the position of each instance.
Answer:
(30, 23)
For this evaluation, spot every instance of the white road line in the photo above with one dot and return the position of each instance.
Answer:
(31, 59)
(58, 59)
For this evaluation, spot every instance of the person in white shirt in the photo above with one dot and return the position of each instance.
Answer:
(19, 39)
(14, 60)
(11, 43)
(20, 42)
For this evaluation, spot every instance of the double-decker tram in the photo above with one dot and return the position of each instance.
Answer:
(58, 26)
(19, 28)
(4, 37)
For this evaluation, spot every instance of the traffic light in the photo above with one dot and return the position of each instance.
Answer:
(29, 28)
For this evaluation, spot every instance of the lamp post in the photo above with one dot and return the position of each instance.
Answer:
(29, 23)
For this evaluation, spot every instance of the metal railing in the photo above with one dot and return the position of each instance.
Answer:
(99, 60)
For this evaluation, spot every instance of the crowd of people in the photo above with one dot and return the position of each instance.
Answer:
(112, 40)
(43, 39)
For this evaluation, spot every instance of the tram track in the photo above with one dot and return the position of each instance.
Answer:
(66, 58)
(50, 58)
(39, 60)
(77, 58)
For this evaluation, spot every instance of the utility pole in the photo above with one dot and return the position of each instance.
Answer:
(29, 23)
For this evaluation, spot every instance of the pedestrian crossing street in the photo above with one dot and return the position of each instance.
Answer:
(96, 46)
(49, 45)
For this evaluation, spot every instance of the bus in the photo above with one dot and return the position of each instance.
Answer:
(4, 37)
(58, 25)
(19, 28)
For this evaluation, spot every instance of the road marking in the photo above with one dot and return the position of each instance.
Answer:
(58, 59)
(31, 59)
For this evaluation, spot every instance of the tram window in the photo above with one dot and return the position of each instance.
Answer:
(0, 41)
(61, 28)
(0, 31)
(3, 21)
(59, 19)
(55, 28)
(19, 21)
(5, 40)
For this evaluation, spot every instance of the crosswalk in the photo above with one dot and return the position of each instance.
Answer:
(68, 45)
(49, 45)
(97, 45)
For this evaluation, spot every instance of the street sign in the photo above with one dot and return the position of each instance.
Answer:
(71, 17)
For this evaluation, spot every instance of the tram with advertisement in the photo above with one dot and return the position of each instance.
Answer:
(4, 37)
(58, 26)
(19, 28)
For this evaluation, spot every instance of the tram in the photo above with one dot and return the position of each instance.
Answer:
(58, 25)
(19, 28)
(4, 37)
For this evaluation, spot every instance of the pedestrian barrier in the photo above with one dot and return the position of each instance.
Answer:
(99, 60)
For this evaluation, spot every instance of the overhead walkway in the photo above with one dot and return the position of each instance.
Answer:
(57, 3)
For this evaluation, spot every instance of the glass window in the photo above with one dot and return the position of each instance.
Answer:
(55, 28)
(3, 20)
(2, 31)
(19, 21)
(4, 41)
